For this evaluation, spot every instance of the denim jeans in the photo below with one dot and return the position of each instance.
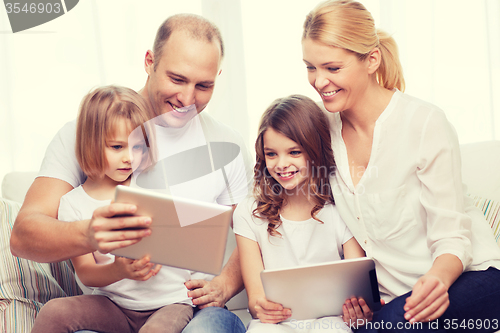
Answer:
(214, 320)
(474, 306)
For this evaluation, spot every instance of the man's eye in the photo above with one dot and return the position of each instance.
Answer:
(204, 87)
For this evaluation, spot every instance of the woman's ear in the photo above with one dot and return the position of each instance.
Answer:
(374, 59)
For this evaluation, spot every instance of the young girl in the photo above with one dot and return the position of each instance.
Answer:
(125, 295)
(292, 219)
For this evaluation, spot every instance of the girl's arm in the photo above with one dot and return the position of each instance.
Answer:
(355, 310)
(251, 266)
(352, 249)
(93, 275)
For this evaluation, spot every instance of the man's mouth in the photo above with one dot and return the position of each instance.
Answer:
(330, 93)
(184, 109)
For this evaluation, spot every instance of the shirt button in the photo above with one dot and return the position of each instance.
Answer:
(358, 217)
(366, 241)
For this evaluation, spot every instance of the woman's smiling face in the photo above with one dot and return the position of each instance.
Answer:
(336, 74)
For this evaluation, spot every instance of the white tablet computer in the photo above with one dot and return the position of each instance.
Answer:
(187, 234)
(320, 290)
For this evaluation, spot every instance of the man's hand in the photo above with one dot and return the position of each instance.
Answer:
(207, 293)
(112, 227)
(270, 312)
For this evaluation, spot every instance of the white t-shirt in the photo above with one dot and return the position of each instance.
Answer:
(167, 287)
(302, 242)
(409, 207)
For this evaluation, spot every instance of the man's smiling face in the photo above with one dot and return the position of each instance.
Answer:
(183, 82)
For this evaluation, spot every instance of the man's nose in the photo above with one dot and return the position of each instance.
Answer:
(187, 95)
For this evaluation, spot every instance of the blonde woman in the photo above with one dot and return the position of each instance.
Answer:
(399, 186)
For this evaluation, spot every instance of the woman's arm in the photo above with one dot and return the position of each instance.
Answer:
(429, 297)
(251, 266)
(93, 275)
(448, 226)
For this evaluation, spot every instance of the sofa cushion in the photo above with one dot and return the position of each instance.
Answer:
(26, 285)
(491, 210)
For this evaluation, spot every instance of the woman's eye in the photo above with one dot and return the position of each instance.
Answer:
(117, 147)
(295, 152)
(310, 68)
(270, 154)
(333, 69)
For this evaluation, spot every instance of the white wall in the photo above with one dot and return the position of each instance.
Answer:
(450, 50)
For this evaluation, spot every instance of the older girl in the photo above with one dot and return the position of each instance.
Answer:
(291, 220)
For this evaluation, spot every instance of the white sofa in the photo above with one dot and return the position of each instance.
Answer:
(26, 285)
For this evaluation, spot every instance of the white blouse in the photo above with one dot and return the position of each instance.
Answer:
(410, 206)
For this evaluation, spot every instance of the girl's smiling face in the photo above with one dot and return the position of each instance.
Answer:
(285, 159)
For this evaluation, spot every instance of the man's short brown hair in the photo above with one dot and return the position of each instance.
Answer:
(196, 26)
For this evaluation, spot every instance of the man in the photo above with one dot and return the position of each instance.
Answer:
(182, 69)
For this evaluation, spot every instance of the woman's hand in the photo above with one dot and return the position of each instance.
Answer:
(139, 270)
(428, 300)
(356, 312)
(270, 312)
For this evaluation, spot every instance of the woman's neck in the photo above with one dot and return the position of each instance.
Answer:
(363, 116)
(104, 188)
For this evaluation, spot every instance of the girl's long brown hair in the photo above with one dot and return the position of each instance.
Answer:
(301, 120)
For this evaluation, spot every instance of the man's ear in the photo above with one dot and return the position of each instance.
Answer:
(374, 60)
(149, 61)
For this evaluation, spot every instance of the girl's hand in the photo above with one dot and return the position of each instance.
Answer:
(356, 312)
(270, 312)
(140, 270)
(428, 300)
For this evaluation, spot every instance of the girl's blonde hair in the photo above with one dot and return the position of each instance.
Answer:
(349, 25)
(98, 116)
(301, 120)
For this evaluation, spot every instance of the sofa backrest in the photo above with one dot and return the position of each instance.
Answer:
(481, 168)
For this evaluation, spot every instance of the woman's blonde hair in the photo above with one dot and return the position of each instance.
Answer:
(99, 113)
(349, 25)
